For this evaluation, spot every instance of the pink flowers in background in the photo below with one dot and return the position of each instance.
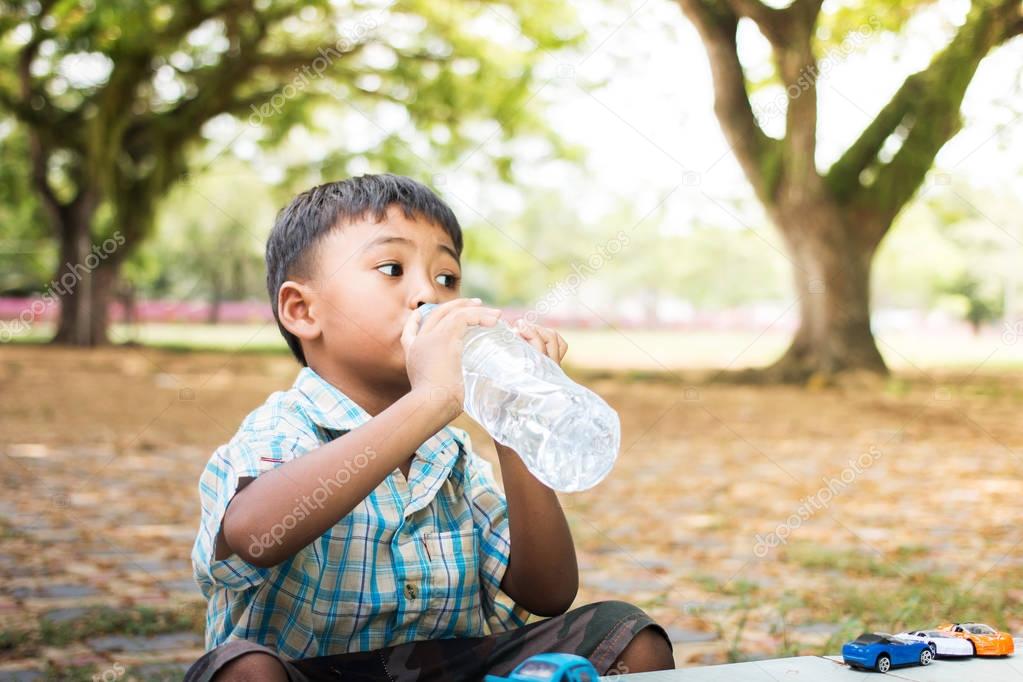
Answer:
(149, 311)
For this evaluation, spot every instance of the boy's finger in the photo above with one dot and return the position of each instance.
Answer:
(550, 343)
(444, 309)
(411, 328)
(533, 339)
(552, 348)
(467, 317)
(537, 343)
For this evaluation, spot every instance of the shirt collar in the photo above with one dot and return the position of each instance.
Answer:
(329, 408)
(327, 405)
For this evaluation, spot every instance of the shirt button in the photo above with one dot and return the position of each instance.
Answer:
(410, 590)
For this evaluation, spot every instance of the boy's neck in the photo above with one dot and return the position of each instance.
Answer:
(373, 397)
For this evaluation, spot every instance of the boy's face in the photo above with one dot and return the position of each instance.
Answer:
(368, 278)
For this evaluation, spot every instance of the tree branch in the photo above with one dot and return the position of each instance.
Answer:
(797, 68)
(843, 178)
(790, 33)
(931, 106)
(808, 9)
(39, 150)
(777, 24)
(770, 21)
(757, 153)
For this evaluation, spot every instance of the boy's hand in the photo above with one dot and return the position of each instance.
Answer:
(545, 340)
(433, 353)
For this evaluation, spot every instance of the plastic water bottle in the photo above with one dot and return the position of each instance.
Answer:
(566, 434)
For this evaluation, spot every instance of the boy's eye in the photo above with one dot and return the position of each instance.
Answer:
(452, 280)
(451, 283)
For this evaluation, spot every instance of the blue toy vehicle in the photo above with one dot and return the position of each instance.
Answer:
(880, 651)
(551, 668)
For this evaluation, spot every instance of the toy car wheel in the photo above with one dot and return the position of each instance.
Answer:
(884, 664)
(926, 656)
(934, 649)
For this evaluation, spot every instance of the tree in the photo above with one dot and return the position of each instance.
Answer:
(113, 97)
(24, 257)
(833, 221)
(200, 252)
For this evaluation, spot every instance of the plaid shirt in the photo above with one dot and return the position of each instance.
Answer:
(414, 560)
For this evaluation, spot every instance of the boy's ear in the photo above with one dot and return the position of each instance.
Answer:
(294, 307)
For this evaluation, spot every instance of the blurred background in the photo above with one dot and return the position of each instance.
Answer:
(783, 240)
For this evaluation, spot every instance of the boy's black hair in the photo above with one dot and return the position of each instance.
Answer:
(314, 213)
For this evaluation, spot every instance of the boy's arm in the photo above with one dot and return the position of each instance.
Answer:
(381, 444)
(542, 573)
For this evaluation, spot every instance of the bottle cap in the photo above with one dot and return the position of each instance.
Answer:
(425, 310)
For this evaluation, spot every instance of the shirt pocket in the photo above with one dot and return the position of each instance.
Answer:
(454, 569)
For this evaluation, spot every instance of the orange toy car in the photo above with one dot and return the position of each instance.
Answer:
(985, 639)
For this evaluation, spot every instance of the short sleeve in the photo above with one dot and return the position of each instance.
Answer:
(259, 446)
(490, 516)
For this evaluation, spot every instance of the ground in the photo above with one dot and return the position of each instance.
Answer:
(751, 521)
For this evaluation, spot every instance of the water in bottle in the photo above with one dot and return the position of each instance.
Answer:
(566, 434)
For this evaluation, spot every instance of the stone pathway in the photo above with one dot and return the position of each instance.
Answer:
(100, 508)
(83, 550)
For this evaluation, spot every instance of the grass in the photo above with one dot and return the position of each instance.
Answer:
(737, 587)
(116, 671)
(919, 598)
(255, 338)
(854, 562)
(27, 642)
(895, 607)
(639, 349)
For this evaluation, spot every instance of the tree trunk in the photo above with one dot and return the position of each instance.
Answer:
(83, 315)
(126, 294)
(216, 297)
(831, 260)
(84, 282)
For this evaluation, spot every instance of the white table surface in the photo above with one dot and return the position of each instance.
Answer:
(829, 668)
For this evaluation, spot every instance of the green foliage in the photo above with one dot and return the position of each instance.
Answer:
(980, 302)
(844, 28)
(950, 254)
(26, 250)
(209, 239)
(122, 96)
(546, 251)
(848, 25)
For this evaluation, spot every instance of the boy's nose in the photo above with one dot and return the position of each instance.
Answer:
(422, 295)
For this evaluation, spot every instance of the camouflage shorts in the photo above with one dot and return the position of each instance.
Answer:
(598, 631)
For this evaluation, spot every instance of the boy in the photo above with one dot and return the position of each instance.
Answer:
(347, 531)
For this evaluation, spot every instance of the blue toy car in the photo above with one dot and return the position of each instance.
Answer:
(880, 651)
(551, 668)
